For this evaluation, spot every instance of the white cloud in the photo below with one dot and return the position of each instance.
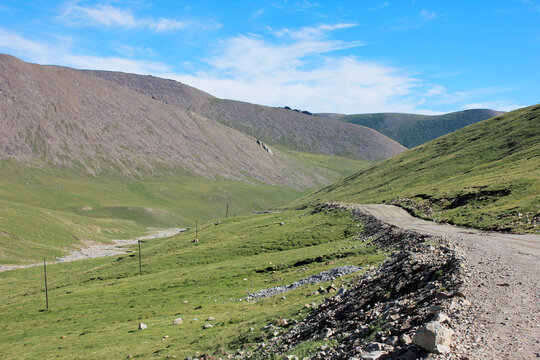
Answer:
(24, 47)
(99, 15)
(107, 15)
(168, 25)
(428, 15)
(308, 33)
(285, 73)
(60, 54)
(299, 71)
(501, 105)
(422, 19)
(257, 14)
(378, 7)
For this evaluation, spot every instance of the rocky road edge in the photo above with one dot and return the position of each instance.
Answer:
(401, 310)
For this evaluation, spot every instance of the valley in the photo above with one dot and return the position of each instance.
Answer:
(289, 235)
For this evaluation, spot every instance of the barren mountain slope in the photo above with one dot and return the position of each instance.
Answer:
(70, 118)
(277, 126)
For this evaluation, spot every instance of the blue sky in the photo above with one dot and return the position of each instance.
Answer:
(422, 56)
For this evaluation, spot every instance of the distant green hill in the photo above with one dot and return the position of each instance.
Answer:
(411, 130)
(486, 175)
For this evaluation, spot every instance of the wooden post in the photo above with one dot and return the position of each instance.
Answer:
(140, 262)
(46, 289)
(227, 212)
(196, 230)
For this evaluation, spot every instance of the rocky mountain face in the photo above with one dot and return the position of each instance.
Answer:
(276, 126)
(103, 122)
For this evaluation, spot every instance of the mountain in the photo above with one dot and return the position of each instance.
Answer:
(86, 157)
(486, 175)
(412, 130)
(275, 126)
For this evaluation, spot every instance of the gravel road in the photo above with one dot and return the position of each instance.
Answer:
(503, 320)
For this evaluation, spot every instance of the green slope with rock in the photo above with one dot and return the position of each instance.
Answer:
(486, 175)
(411, 130)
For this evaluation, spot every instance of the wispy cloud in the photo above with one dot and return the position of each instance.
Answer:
(59, 53)
(110, 16)
(501, 105)
(417, 22)
(378, 7)
(257, 14)
(313, 32)
(532, 5)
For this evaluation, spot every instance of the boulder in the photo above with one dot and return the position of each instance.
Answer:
(434, 337)
(177, 321)
(208, 326)
(142, 326)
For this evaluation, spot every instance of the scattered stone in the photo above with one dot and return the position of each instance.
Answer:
(434, 337)
(375, 355)
(208, 326)
(332, 288)
(405, 339)
(327, 275)
(142, 326)
(177, 321)
(211, 318)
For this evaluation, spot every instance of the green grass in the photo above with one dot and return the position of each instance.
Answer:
(483, 176)
(341, 166)
(67, 201)
(411, 130)
(97, 304)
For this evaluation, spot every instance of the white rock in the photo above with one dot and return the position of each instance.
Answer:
(142, 326)
(208, 326)
(177, 321)
(374, 355)
(434, 337)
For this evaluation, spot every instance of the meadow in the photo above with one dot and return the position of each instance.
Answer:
(95, 305)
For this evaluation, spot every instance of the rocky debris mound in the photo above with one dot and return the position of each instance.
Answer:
(327, 275)
(393, 312)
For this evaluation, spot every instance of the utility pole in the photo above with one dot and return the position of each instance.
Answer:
(46, 290)
(196, 230)
(140, 262)
(227, 212)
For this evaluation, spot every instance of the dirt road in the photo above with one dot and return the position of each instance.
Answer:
(502, 284)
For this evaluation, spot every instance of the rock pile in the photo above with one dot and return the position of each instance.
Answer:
(313, 279)
(393, 312)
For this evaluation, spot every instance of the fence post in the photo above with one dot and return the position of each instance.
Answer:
(46, 289)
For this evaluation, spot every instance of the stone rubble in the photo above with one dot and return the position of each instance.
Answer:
(397, 311)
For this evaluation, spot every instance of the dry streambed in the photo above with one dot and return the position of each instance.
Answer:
(96, 250)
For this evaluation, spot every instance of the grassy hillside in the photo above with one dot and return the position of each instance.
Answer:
(486, 175)
(411, 130)
(96, 305)
(47, 210)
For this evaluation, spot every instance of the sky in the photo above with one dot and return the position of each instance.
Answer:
(416, 56)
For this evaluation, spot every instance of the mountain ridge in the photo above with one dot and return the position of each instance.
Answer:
(412, 130)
